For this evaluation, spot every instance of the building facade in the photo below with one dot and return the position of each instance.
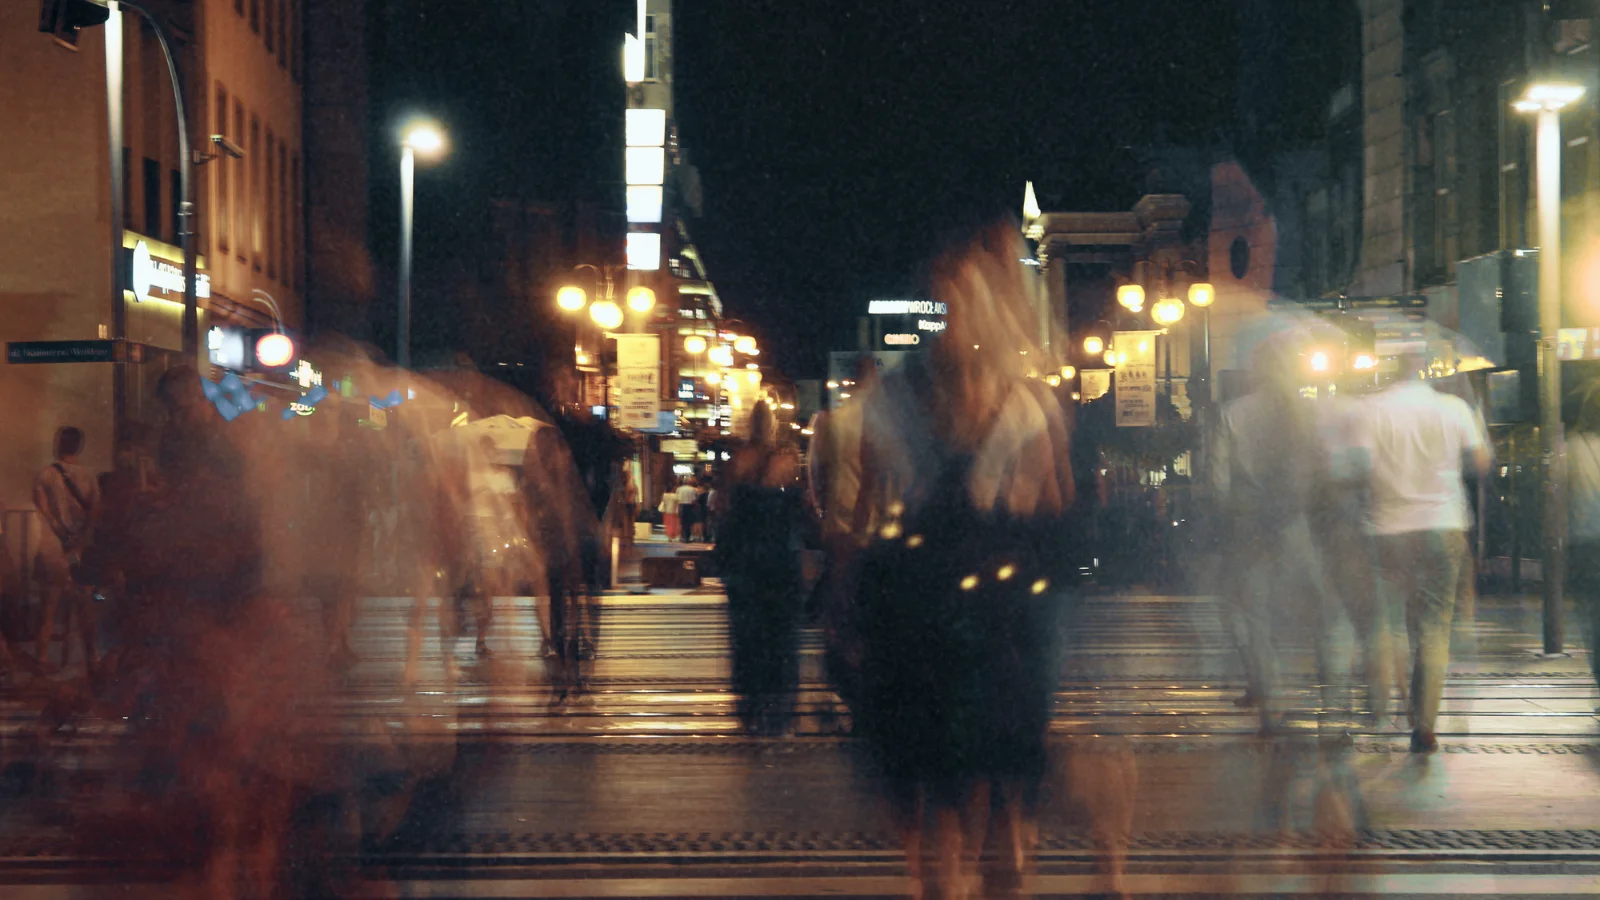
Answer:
(240, 61)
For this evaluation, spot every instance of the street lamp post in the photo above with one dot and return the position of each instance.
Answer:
(1546, 101)
(425, 138)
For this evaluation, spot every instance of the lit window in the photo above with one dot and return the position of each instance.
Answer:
(646, 165)
(644, 251)
(646, 127)
(644, 203)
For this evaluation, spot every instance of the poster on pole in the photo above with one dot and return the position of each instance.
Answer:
(638, 394)
(1096, 383)
(1136, 378)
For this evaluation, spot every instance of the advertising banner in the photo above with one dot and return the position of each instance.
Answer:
(1096, 383)
(638, 394)
(1136, 378)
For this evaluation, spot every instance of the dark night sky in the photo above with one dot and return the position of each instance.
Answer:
(834, 138)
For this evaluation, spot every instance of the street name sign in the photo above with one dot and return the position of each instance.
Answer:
(18, 352)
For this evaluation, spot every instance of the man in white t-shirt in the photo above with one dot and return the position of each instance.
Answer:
(65, 495)
(1420, 442)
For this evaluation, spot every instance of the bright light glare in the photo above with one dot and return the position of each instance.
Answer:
(1111, 357)
(1548, 96)
(274, 350)
(1069, 372)
(721, 356)
(753, 377)
(1319, 361)
(571, 298)
(425, 138)
(1364, 361)
(606, 314)
(641, 299)
(1093, 345)
(832, 385)
(745, 344)
(1053, 380)
(1167, 311)
(1202, 294)
(694, 344)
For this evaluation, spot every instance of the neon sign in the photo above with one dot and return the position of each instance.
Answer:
(150, 274)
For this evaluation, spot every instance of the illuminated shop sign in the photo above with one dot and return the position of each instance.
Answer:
(932, 326)
(902, 340)
(149, 277)
(907, 308)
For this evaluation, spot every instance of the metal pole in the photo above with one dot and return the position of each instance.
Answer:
(191, 314)
(1551, 443)
(408, 166)
(119, 309)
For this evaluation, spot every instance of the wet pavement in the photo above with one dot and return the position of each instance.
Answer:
(645, 787)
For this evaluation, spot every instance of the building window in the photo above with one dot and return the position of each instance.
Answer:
(296, 223)
(283, 213)
(272, 210)
(255, 16)
(241, 186)
(152, 198)
(222, 211)
(651, 69)
(127, 188)
(1515, 136)
(255, 193)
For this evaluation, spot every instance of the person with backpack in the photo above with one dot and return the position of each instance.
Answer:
(65, 494)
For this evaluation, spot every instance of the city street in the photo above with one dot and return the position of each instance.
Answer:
(645, 786)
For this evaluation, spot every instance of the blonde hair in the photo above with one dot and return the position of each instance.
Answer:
(992, 338)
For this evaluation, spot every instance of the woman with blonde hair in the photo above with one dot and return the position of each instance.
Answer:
(758, 559)
(965, 469)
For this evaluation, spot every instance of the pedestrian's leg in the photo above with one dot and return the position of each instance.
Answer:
(1384, 648)
(1428, 615)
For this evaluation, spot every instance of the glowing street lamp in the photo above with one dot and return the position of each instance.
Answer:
(1202, 294)
(694, 344)
(745, 344)
(571, 298)
(1167, 311)
(1546, 100)
(606, 313)
(1131, 297)
(425, 138)
(1093, 345)
(641, 299)
(721, 355)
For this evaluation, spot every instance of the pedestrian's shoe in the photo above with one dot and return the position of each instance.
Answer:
(1424, 742)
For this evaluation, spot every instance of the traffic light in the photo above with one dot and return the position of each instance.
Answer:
(64, 18)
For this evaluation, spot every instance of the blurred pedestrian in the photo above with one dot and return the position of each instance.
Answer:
(1421, 444)
(668, 507)
(1583, 462)
(758, 559)
(1266, 466)
(958, 590)
(688, 510)
(65, 495)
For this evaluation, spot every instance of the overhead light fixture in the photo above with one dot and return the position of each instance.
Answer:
(644, 204)
(641, 299)
(571, 298)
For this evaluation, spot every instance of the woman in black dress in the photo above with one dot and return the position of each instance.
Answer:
(758, 558)
(964, 464)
